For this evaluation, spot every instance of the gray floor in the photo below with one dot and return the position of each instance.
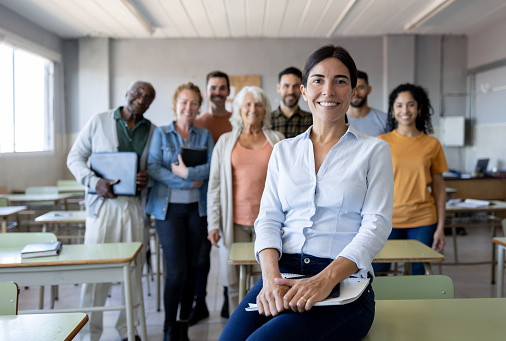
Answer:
(469, 280)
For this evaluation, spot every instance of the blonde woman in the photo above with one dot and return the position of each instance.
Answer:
(177, 201)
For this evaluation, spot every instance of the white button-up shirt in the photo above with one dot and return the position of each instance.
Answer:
(345, 210)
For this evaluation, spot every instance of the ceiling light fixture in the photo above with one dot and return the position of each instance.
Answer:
(431, 10)
(135, 12)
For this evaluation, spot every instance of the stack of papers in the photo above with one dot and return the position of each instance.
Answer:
(473, 203)
(351, 289)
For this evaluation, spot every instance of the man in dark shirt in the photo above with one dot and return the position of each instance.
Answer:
(288, 118)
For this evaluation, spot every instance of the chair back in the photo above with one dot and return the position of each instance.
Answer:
(42, 190)
(504, 227)
(412, 287)
(9, 293)
(4, 202)
(67, 183)
(42, 205)
(22, 238)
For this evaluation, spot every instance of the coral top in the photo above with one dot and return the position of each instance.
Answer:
(249, 170)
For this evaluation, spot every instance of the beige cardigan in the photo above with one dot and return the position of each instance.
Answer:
(219, 197)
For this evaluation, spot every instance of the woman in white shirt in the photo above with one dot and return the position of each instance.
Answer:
(325, 212)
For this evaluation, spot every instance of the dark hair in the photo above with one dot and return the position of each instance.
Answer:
(330, 51)
(290, 71)
(218, 74)
(363, 75)
(423, 121)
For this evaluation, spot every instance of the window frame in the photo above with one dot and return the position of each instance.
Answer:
(55, 124)
(48, 139)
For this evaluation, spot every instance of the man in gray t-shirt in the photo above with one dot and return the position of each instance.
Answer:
(365, 119)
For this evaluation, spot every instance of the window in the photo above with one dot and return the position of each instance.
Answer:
(26, 101)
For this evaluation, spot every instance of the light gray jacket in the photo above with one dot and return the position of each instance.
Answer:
(220, 213)
(99, 135)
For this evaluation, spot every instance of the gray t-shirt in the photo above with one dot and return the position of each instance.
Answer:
(373, 124)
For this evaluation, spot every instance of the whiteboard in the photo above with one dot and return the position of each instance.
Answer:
(490, 96)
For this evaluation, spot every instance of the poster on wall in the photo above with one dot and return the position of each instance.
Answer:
(239, 82)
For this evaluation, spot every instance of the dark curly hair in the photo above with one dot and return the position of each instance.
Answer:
(423, 121)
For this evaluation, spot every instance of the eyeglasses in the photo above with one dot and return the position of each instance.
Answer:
(137, 94)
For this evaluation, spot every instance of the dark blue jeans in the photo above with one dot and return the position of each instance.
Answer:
(204, 266)
(340, 322)
(424, 234)
(181, 237)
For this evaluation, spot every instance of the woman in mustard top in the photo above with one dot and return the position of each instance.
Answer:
(418, 162)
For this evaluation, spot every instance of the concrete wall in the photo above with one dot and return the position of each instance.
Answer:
(389, 61)
(168, 63)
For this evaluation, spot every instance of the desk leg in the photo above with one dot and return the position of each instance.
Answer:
(128, 302)
(493, 247)
(41, 298)
(4, 225)
(500, 270)
(158, 269)
(428, 268)
(407, 269)
(454, 237)
(242, 281)
(141, 312)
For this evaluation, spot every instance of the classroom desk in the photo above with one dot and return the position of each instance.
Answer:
(407, 252)
(394, 251)
(8, 211)
(62, 217)
(27, 198)
(81, 263)
(42, 327)
(439, 320)
(501, 246)
(491, 220)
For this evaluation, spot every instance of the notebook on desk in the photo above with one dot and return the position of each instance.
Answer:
(120, 166)
(33, 250)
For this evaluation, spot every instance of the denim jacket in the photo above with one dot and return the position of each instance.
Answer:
(165, 147)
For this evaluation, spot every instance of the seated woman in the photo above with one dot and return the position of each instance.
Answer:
(236, 182)
(177, 201)
(325, 212)
(419, 162)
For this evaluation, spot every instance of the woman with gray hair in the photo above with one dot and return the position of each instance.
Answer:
(237, 178)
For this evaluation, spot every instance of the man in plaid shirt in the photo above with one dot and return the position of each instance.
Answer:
(288, 118)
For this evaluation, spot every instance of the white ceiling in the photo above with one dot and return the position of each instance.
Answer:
(256, 18)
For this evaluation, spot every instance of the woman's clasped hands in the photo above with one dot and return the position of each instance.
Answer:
(298, 295)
